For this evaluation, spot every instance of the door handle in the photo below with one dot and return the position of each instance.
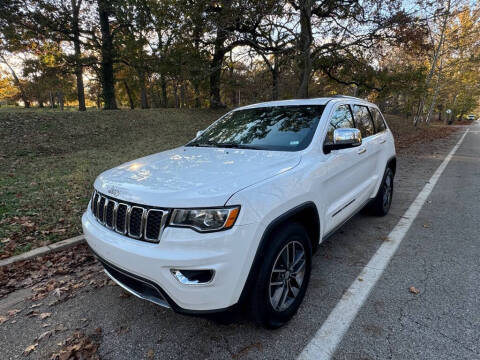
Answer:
(361, 150)
(382, 141)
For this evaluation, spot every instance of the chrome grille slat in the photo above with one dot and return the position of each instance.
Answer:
(117, 216)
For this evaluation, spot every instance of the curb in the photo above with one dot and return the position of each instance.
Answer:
(60, 245)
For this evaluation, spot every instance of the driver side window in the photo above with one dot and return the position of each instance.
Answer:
(341, 118)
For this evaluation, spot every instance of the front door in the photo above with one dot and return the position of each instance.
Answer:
(347, 174)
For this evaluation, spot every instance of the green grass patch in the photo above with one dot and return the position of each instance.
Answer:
(49, 160)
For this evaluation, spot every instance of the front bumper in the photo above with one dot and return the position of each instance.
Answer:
(228, 253)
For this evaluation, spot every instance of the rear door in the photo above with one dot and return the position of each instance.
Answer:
(380, 139)
(369, 152)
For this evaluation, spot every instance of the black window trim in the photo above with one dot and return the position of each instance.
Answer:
(383, 119)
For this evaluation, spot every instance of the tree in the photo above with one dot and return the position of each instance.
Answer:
(108, 59)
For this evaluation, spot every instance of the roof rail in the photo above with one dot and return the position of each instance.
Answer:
(347, 97)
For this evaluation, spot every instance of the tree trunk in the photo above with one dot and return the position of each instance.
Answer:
(143, 92)
(183, 99)
(304, 47)
(215, 74)
(52, 100)
(196, 91)
(17, 82)
(78, 55)
(163, 84)
(436, 55)
(60, 98)
(175, 94)
(129, 95)
(107, 75)
(274, 83)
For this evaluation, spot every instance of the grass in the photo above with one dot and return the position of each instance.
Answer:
(49, 160)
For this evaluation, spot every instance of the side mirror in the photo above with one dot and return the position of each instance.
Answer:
(344, 138)
(199, 132)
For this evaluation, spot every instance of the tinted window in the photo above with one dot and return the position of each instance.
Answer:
(363, 120)
(341, 118)
(377, 120)
(284, 128)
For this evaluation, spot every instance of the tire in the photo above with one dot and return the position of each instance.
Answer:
(380, 205)
(274, 300)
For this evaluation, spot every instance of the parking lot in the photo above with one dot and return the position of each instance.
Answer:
(425, 304)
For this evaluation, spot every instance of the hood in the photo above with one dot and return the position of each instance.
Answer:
(192, 176)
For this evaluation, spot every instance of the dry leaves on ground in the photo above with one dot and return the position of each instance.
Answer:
(43, 272)
(79, 346)
(30, 348)
(414, 290)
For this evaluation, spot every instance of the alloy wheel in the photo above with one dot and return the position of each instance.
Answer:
(287, 276)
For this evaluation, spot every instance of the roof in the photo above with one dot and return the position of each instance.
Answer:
(292, 102)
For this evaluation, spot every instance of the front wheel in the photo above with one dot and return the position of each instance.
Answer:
(283, 277)
(382, 202)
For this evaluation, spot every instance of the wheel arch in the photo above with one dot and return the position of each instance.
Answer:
(305, 214)
(392, 163)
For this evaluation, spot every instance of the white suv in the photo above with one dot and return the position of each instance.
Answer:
(234, 216)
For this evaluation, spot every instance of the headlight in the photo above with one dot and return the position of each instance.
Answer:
(205, 219)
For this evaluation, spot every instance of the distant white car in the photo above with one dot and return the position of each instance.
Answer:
(233, 216)
(471, 117)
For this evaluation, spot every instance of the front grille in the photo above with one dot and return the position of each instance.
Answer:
(136, 221)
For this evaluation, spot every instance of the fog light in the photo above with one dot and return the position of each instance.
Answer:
(193, 277)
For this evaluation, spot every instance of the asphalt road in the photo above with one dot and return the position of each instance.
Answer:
(439, 256)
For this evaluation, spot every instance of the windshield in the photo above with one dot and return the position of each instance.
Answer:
(282, 128)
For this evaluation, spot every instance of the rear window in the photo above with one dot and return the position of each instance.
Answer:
(363, 120)
(378, 120)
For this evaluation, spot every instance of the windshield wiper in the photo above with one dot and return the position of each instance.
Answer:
(238, 146)
(202, 144)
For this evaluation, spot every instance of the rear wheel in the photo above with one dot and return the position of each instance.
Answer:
(382, 202)
(283, 277)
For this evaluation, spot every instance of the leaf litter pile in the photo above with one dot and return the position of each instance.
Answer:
(54, 278)
(48, 274)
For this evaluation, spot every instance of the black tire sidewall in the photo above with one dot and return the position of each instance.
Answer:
(388, 171)
(260, 306)
(376, 206)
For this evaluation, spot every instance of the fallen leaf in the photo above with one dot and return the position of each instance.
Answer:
(414, 290)
(46, 334)
(426, 226)
(30, 348)
(244, 351)
(45, 315)
(150, 354)
(2, 319)
(13, 312)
